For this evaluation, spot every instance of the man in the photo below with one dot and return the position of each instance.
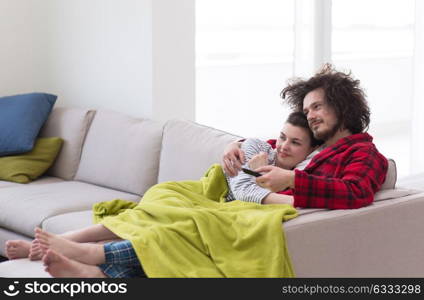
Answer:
(349, 170)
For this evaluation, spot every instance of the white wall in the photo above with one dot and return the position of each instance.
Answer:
(173, 59)
(99, 54)
(22, 49)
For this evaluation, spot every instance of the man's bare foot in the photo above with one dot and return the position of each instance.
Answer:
(17, 249)
(58, 265)
(35, 252)
(92, 254)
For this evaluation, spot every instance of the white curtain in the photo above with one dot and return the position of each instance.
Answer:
(417, 140)
(245, 56)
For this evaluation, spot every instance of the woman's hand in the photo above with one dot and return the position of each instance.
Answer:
(232, 159)
(275, 179)
(258, 160)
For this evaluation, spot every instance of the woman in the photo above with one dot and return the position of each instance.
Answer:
(294, 148)
(72, 254)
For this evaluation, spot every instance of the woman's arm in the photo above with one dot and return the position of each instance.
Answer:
(243, 186)
(274, 198)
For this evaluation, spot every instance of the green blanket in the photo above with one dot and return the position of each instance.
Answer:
(186, 229)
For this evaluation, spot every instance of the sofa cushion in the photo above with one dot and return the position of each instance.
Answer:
(4, 183)
(68, 222)
(26, 167)
(23, 268)
(71, 124)
(21, 118)
(188, 149)
(121, 152)
(36, 203)
(41, 180)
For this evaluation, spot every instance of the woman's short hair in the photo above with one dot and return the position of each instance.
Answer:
(299, 119)
(342, 93)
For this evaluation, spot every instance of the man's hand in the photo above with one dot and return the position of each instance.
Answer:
(233, 159)
(275, 179)
(258, 160)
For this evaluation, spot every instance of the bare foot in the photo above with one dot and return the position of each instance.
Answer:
(92, 254)
(35, 252)
(58, 265)
(17, 249)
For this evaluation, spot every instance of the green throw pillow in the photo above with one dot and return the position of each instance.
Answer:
(27, 167)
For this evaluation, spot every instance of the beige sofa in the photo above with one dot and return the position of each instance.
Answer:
(108, 155)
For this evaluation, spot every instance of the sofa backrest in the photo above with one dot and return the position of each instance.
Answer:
(121, 152)
(188, 149)
(124, 153)
(71, 124)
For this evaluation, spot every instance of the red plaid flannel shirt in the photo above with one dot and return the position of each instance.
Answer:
(342, 176)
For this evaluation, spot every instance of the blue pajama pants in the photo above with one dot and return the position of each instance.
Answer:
(121, 261)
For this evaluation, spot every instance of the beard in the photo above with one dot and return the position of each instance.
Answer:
(327, 134)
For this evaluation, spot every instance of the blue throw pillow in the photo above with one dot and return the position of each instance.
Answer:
(21, 118)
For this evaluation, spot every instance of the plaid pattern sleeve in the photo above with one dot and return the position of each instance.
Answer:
(343, 176)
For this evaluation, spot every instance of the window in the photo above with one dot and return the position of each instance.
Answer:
(244, 55)
(377, 44)
(247, 50)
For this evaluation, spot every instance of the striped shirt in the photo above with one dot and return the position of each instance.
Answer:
(243, 186)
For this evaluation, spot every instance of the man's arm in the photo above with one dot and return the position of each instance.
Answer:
(275, 179)
(233, 158)
(360, 178)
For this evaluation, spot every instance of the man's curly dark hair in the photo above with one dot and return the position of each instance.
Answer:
(342, 93)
